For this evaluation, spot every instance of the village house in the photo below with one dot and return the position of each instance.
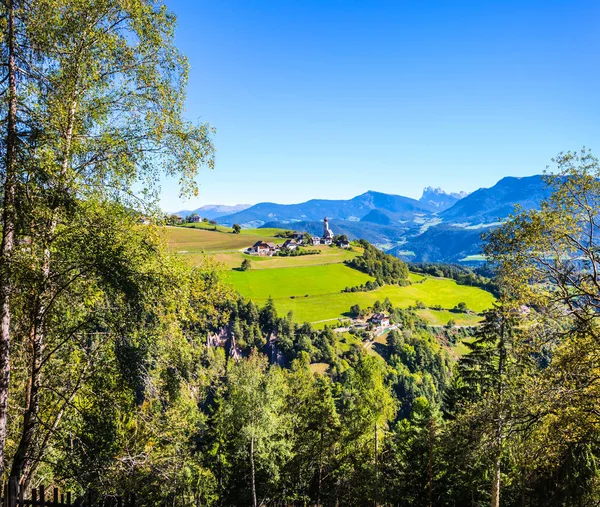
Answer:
(195, 219)
(263, 248)
(299, 237)
(290, 244)
(380, 319)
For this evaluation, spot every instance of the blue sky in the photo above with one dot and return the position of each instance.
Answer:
(328, 99)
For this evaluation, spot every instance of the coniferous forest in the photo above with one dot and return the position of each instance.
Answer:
(122, 369)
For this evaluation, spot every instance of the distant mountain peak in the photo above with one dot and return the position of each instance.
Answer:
(441, 199)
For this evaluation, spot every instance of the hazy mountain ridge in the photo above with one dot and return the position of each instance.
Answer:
(316, 209)
(439, 226)
(488, 205)
(212, 211)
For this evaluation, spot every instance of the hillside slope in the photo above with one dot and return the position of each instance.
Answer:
(488, 205)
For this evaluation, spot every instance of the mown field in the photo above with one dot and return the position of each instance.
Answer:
(296, 282)
(226, 248)
(433, 291)
(310, 286)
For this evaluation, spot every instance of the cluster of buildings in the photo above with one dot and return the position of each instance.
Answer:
(380, 319)
(265, 248)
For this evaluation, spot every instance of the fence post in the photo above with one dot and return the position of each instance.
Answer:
(42, 496)
(68, 498)
(55, 497)
(12, 492)
(21, 495)
(34, 497)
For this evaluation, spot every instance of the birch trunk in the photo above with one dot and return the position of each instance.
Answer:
(8, 229)
(22, 462)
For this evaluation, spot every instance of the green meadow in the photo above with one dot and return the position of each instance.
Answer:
(195, 240)
(434, 291)
(296, 282)
(310, 286)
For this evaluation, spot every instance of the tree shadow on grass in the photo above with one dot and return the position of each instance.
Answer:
(381, 349)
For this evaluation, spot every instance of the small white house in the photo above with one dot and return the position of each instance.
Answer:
(263, 249)
(290, 244)
(380, 319)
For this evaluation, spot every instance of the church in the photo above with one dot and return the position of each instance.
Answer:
(327, 238)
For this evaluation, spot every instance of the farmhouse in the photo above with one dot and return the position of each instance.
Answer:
(344, 244)
(380, 319)
(195, 219)
(316, 240)
(290, 244)
(263, 248)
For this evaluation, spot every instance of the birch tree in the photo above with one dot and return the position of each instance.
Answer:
(93, 100)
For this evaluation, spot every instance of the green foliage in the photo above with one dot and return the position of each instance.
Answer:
(369, 285)
(246, 265)
(236, 229)
(356, 311)
(461, 307)
(296, 252)
(385, 268)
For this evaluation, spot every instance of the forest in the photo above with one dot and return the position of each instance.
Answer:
(122, 369)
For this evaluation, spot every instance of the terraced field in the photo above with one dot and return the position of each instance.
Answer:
(310, 286)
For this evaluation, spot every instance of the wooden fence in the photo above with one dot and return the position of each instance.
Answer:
(14, 495)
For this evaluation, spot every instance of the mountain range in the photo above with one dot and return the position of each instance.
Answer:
(438, 227)
(212, 211)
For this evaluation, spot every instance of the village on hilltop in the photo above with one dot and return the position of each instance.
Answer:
(268, 249)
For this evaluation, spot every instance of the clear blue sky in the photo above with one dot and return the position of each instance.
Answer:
(328, 99)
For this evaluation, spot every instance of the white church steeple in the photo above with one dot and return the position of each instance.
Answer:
(327, 233)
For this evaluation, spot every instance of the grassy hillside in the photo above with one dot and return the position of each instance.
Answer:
(196, 240)
(434, 291)
(298, 281)
(310, 286)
